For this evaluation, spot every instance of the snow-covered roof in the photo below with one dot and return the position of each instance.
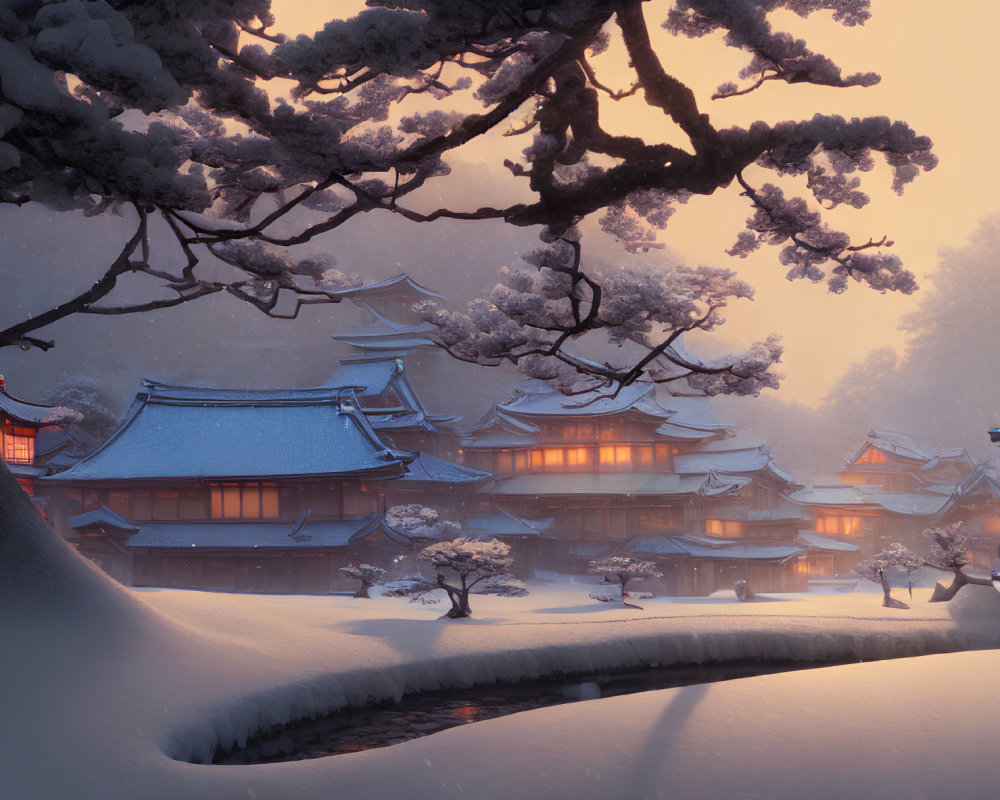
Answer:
(502, 523)
(103, 517)
(916, 503)
(654, 545)
(817, 541)
(589, 550)
(671, 431)
(687, 418)
(752, 551)
(841, 494)
(705, 547)
(55, 449)
(374, 376)
(902, 446)
(738, 461)
(182, 432)
(34, 415)
(384, 334)
(425, 468)
(985, 477)
(693, 412)
(497, 429)
(396, 287)
(614, 483)
(638, 396)
(370, 376)
(784, 512)
(253, 535)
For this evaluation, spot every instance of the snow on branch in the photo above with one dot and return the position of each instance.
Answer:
(533, 317)
(163, 109)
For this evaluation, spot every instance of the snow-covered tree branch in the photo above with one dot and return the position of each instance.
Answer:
(164, 113)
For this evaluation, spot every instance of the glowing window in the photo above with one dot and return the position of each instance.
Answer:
(505, 462)
(842, 526)
(665, 453)
(522, 461)
(244, 501)
(991, 524)
(577, 457)
(730, 529)
(872, 456)
(18, 444)
(553, 457)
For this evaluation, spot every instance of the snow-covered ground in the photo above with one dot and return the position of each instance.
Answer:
(103, 689)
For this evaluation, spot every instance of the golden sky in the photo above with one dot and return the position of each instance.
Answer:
(938, 68)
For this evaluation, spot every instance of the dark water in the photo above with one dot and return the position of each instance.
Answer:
(423, 714)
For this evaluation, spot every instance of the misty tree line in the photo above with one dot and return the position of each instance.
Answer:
(942, 390)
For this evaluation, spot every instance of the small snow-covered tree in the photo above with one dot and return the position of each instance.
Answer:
(950, 552)
(876, 569)
(620, 571)
(368, 574)
(85, 395)
(463, 565)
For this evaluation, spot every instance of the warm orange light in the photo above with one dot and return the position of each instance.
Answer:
(991, 524)
(553, 457)
(18, 444)
(872, 456)
(577, 456)
(843, 526)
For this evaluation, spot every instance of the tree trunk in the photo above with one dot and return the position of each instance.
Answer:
(459, 604)
(363, 591)
(888, 601)
(944, 593)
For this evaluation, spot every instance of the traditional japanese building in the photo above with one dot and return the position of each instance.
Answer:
(388, 323)
(889, 491)
(976, 503)
(649, 471)
(31, 437)
(389, 338)
(893, 462)
(265, 491)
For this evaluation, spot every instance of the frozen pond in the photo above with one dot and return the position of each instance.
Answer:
(426, 713)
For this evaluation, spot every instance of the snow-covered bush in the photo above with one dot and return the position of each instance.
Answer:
(417, 522)
(368, 574)
(620, 571)
(464, 565)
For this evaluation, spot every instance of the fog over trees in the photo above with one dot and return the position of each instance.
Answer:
(941, 389)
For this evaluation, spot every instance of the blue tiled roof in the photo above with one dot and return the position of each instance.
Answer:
(174, 432)
(103, 516)
(32, 414)
(500, 523)
(426, 468)
(251, 535)
(375, 375)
